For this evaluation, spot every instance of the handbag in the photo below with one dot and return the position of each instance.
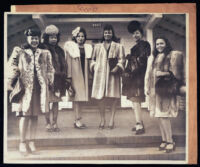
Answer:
(112, 63)
(167, 85)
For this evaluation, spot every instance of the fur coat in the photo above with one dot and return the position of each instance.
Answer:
(104, 83)
(21, 65)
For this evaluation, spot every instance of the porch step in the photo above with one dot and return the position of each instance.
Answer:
(98, 152)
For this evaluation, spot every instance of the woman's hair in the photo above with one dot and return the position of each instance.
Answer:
(46, 38)
(134, 26)
(166, 50)
(109, 27)
(83, 31)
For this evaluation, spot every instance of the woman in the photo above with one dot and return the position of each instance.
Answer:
(133, 78)
(32, 67)
(107, 63)
(163, 104)
(51, 38)
(78, 54)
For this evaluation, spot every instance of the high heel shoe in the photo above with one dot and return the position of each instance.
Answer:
(162, 146)
(170, 147)
(55, 128)
(23, 148)
(140, 131)
(79, 125)
(32, 147)
(49, 128)
(101, 126)
(111, 126)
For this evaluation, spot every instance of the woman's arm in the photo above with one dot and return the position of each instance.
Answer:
(93, 59)
(147, 74)
(161, 73)
(50, 69)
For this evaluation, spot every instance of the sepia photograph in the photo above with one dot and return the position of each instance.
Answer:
(96, 88)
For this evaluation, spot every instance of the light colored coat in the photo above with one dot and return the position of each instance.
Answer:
(104, 83)
(21, 64)
(177, 67)
(72, 55)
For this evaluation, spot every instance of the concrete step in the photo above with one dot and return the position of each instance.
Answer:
(121, 134)
(101, 138)
(97, 152)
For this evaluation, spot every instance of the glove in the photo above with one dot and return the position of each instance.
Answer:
(68, 82)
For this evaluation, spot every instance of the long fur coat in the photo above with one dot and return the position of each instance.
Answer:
(21, 65)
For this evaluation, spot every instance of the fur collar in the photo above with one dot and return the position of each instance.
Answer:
(73, 49)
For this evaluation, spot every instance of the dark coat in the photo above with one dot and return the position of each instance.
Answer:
(133, 86)
(60, 66)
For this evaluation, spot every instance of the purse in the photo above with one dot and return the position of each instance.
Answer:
(18, 92)
(112, 63)
(167, 85)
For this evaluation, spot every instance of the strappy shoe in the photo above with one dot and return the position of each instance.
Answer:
(101, 126)
(32, 148)
(49, 128)
(23, 148)
(170, 147)
(139, 131)
(111, 126)
(162, 146)
(55, 128)
(78, 125)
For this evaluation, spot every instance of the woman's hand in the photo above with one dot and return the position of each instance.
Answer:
(146, 92)
(9, 87)
(115, 70)
(68, 82)
(161, 73)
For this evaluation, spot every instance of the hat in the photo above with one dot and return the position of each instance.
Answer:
(51, 29)
(133, 26)
(76, 31)
(32, 32)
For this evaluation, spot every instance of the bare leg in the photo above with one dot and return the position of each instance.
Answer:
(162, 130)
(101, 104)
(77, 110)
(137, 112)
(113, 110)
(33, 127)
(168, 129)
(55, 112)
(47, 117)
(23, 125)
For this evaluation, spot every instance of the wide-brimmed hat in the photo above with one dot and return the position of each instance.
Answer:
(32, 32)
(133, 26)
(51, 30)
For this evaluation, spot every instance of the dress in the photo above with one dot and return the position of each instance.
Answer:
(166, 106)
(133, 86)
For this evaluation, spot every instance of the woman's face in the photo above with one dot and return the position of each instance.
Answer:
(53, 39)
(33, 41)
(80, 39)
(108, 34)
(160, 45)
(137, 36)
